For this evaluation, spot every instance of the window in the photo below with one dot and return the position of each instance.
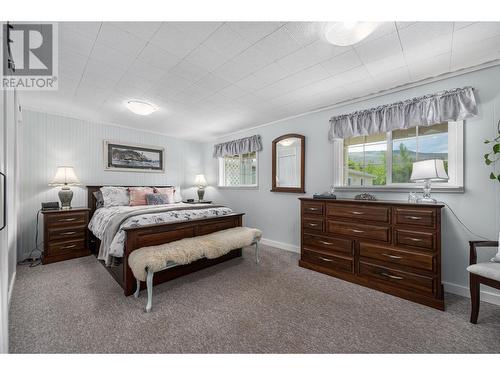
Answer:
(386, 160)
(238, 170)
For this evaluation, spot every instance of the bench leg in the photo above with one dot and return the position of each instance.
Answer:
(138, 289)
(257, 259)
(474, 298)
(149, 285)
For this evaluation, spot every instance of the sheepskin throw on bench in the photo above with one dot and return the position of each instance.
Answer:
(187, 250)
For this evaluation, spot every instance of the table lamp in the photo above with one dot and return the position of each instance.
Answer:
(201, 182)
(427, 171)
(65, 177)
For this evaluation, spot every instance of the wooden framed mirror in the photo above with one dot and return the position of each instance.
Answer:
(289, 164)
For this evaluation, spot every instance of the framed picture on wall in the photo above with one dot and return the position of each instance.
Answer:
(133, 158)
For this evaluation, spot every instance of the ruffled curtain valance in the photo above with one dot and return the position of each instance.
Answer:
(451, 105)
(238, 146)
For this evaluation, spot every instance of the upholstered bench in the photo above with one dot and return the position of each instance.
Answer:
(145, 261)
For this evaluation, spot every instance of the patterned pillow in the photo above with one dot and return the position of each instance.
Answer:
(166, 191)
(156, 199)
(138, 195)
(115, 196)
(99, 201)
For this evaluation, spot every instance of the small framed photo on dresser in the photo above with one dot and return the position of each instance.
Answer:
(133, 157)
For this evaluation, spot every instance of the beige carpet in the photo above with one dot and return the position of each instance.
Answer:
(275, 307)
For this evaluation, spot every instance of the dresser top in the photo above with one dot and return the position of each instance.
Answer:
(385, 202)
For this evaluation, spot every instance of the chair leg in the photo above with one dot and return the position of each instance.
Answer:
(149, 285)
(474, 298)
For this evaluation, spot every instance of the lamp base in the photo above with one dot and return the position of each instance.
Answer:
(65, 196)
(201, 193)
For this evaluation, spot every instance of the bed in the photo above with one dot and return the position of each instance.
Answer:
(150, 234)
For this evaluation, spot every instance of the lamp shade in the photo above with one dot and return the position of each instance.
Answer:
(429, 170)
(65, 176)
(200, 180)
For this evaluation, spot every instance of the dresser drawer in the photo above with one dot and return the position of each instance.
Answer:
(65, 247)
(334, 262)
(58, 234)
(406, 280)
(415, 216)
(67, 219)
(358, 212)
(312, 208)
(337, 245)
(373, 232)
(397, 256)
(414, 239)
(316, 224)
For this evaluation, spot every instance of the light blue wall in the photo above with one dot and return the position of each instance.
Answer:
(277, 214)
(47, 141)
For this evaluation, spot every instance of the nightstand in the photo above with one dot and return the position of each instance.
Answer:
(195, 202)
(65, 234)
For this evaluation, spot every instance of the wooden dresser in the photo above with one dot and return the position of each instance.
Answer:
(65, 234)
(394, 247)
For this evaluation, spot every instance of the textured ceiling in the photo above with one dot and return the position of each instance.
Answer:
(209, 79)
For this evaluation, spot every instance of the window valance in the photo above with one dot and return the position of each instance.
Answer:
(238, 146)
(452, 105)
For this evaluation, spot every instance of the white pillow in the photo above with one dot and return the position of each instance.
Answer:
(177, 194)
(496, 258)
(115, 196)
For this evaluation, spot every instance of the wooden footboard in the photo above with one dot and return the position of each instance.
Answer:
(158, 234)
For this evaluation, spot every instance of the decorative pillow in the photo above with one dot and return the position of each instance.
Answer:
(177, 194)
(99, 201)
(169, 191)
(115, 196)
(138, 195)
(156, 199)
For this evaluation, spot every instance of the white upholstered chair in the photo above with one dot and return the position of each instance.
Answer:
(487, 273)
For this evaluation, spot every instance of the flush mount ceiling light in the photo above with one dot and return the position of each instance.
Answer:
(141, 108)
(348, 33)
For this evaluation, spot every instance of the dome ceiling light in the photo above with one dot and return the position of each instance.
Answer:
(348, 33)
(140, 107)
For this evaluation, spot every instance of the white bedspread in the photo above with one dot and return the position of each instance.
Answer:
(103, 219)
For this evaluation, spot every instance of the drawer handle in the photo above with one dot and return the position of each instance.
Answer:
(69, 247)
(414, 217)
(357, 231)
(414, 239)
(391, 256)
(326, 243)
(313, 224)
(391, 276)
(67, 233)
(69, 219)
(325, 259)
(357, 213)
(313, 209)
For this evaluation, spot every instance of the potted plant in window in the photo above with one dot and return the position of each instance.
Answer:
(494, 155)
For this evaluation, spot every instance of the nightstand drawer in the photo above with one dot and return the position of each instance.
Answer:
(60, 234)
(65, 247)
(67, 219)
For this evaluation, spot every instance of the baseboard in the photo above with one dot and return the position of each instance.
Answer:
(463, 291)
(11, 286)
(280, 245)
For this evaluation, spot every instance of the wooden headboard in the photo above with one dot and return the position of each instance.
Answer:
(91, 201)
